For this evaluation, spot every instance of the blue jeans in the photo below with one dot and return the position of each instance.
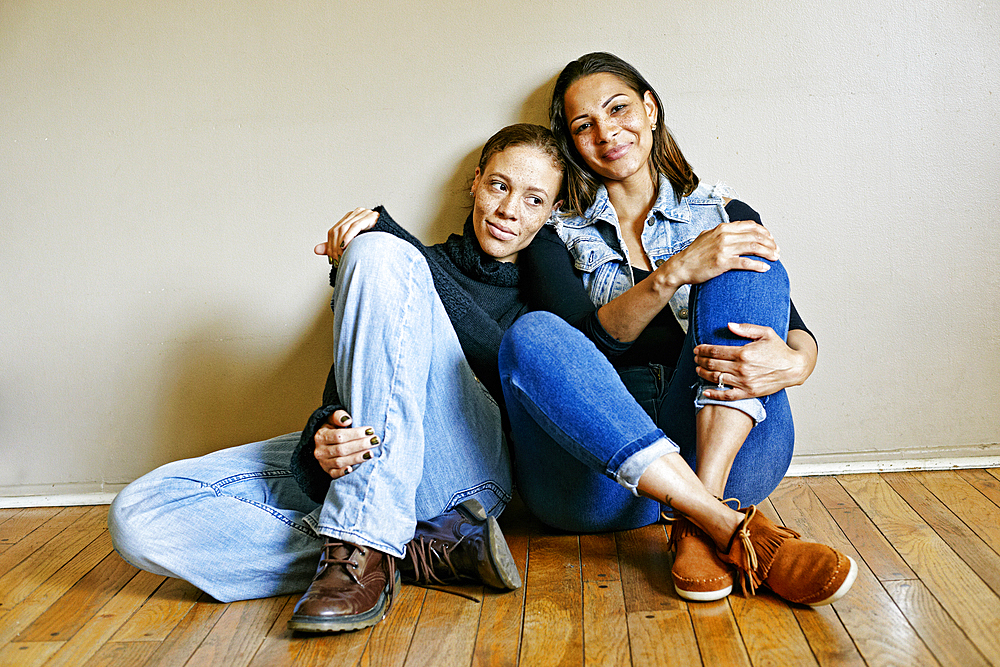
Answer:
(583, 432)
(235, 523)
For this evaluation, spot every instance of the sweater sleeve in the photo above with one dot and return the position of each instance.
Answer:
(551, 283)
(738, 210)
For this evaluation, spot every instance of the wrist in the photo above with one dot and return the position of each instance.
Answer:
(667, 278)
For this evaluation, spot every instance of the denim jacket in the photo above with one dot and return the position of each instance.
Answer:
(595, 242)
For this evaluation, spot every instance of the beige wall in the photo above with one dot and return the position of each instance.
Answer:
(166, 167)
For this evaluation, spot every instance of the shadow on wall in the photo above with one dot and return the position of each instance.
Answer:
(456, 204)
(223, 393)
(220, 393)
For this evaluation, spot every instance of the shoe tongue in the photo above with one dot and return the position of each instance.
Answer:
(339, 550)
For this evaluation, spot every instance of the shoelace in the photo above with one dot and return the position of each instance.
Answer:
(425, 554)
(749, 554)
(351, 565)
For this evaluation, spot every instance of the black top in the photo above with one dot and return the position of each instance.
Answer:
(556, 286)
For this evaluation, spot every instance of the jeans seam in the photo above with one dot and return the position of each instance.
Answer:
(490, 485)
(218, 486)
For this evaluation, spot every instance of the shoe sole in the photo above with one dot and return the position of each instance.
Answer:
(320, 624)
(844, 587)
(504, 570)
(703, 596)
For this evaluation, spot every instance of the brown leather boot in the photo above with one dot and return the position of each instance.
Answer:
(353, 588)
(698, 573)
(463, 545)
(775, 556)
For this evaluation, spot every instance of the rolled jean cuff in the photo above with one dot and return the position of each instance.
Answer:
(634, 466)
(753, 407)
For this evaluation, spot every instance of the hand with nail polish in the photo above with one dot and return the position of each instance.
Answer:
(341, 447)
(345, 229)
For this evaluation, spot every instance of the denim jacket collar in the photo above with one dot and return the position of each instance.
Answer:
(666, 207)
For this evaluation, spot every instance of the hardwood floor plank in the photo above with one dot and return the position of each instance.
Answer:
(660, 638)
(188, 635)
(158, 617)
(78, 605)
(871, 544)
(945, 639)
(15, 552)
(282, 647)
(50, 549)
(959, 590)
(770, 631)
(830, 492)
(498, 641)
(47, 592)
(553, 606)
(985, 483)
(108, 619)
(122, 654)
(599, 556)
(27, 654)
(645, 562)
(391, 639)
(16, 527)
(718, 635)
(880, 632)
(967, 503)
(239, 632)
(829, 640)
(446, 631)
(978, 555)
(605, 627)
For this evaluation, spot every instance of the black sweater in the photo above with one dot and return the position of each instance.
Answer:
(482, 298)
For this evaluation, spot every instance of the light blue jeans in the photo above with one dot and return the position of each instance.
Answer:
(235, 523)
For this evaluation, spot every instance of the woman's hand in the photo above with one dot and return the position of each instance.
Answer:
(721, 249)
(344, 231)
(339, 448)
(762, 367)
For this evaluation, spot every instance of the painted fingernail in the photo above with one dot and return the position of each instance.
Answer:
(330, 257)
(342, 244)
(369, 431)
(374, 440)
(367, 456)
(348, 470)
(345, 419)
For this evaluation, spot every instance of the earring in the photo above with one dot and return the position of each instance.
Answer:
(653, 127)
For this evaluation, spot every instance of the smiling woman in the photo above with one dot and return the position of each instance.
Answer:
(662, 386)
(404, 468)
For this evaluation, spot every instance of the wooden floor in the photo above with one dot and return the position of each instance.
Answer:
(927, 543)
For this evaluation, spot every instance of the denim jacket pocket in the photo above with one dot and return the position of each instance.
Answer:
(590, 254)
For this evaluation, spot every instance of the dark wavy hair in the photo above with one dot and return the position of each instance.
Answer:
(525, 134)
(581, 182)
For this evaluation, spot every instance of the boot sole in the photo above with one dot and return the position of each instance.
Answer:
(503, 573)
(320, 624)
(844, 587)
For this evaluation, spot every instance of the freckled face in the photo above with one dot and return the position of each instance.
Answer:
(611, 125)
(515, 194)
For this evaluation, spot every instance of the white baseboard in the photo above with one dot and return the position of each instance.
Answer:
(938, 458)
(58, 495)
(804, 465)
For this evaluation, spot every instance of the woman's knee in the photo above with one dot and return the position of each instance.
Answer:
(532, 336)
(378, 250)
